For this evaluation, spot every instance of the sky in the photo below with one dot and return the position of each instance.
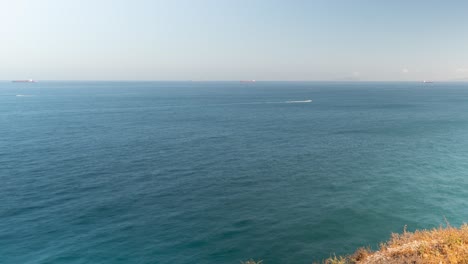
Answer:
(296, 40)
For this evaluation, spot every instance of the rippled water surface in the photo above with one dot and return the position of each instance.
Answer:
(218, 172)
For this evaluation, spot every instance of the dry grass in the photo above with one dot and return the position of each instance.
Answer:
(447, 245)
(441, 245)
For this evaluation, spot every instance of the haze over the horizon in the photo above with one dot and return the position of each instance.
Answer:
(233, 40)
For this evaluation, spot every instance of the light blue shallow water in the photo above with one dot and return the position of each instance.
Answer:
(142, 172)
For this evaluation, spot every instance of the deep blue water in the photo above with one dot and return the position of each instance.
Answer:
(180, 172)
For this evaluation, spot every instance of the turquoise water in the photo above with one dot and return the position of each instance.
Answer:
(181, 172)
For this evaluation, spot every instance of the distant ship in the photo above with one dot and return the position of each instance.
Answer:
(24, 81)
(247, 81)
(427, 81)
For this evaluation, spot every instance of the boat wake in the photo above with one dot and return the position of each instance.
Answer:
(298, 102)
(266, 102)
(212, 105)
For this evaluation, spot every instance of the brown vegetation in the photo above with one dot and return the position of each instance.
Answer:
(447, 245)
(441, 245)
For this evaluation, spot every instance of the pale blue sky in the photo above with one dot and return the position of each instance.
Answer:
(233, 40)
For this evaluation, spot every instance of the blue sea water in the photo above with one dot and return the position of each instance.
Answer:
(219, 172)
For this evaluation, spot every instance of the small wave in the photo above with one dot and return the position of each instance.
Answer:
(23, 95)
(296, 102)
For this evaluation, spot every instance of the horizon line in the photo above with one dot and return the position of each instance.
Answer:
(244, 81)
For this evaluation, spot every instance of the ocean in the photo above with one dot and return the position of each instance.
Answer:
(220, 172)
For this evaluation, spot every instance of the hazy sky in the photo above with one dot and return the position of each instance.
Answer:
(232, 40)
